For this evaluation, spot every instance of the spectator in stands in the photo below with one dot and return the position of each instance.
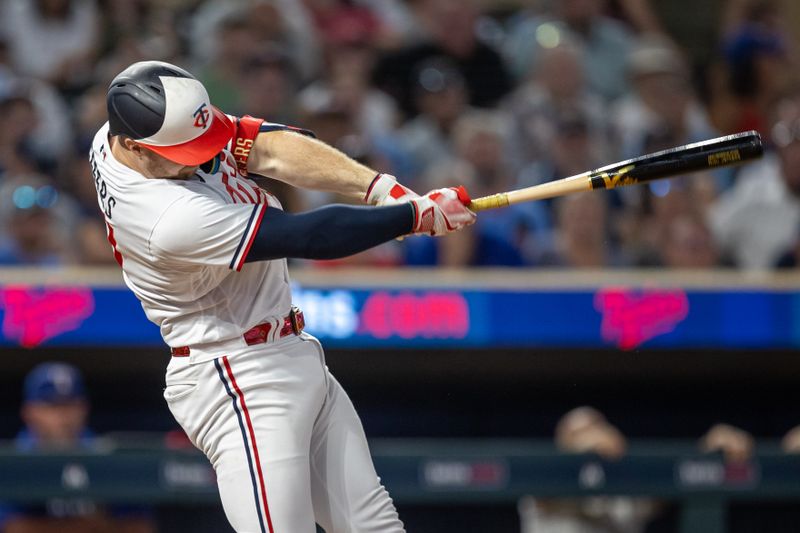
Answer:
(441, 98)
(581, 237)
(16, 131)
(554, 88)
(513, 236)
(38, 220)
(687, 243)
(268, 86)
(55, 411)
(451, 31)
(606, 42)
(757, 220)
(136, 30)
(349, 58)
(573, 148)
(233, 37)
(45, 128)
(758, 68)
(662, 101)
(52, 40)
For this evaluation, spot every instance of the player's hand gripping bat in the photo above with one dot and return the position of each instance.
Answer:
(705, 155)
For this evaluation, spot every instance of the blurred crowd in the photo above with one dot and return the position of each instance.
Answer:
(494, 95)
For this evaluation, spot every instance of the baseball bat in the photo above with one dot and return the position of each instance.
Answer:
(705, 155)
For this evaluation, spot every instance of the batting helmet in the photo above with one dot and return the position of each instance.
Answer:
(167, 110)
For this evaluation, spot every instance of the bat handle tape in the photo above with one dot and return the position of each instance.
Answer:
(489, 202)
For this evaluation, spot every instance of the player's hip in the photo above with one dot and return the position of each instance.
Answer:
(285, 381)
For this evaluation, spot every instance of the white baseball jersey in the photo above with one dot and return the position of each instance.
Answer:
(182, 246)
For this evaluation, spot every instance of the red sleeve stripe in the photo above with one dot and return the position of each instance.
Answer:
(248, 237)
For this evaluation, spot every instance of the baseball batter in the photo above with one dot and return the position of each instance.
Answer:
(204, 248)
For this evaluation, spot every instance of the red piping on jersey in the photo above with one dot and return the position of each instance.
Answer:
(252, 441)
(256, 225)
(113, 242)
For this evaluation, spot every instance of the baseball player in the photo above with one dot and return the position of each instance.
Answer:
(204, 248)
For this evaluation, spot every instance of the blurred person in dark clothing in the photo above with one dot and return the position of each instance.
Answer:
(35, 134)
(55, 411)
(451, 32)
(440, 94)
(16, 153)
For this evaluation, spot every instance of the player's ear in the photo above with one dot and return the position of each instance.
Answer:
(130, 144)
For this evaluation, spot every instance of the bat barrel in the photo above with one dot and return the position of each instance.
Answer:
(705, 155)
(708, 155)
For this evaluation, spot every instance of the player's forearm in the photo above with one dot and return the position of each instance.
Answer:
(308, 163)
(329, 232)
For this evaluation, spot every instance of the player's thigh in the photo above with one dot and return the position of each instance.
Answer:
(278, 499)
(253, 417)
(346, 491)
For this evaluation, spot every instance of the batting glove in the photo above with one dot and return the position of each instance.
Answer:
(442, 211)
(385, 190)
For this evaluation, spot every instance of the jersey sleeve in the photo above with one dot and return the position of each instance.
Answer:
(247, 128)
(202, 231)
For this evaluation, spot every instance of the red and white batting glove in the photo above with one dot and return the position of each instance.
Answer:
(442, 211)
(385, 190)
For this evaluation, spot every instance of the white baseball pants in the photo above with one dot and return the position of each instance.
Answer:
(285, 441)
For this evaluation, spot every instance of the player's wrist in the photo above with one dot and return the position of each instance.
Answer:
(386, 190)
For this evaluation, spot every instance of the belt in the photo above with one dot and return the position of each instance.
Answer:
(293, 324)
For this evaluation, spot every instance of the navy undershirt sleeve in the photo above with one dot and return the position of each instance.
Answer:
(329, 232)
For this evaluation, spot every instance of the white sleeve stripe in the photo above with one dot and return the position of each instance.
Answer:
(247, 237)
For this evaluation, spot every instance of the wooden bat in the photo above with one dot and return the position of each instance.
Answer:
(705, 155)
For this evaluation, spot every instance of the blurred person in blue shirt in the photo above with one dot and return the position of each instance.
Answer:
(55, 412)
